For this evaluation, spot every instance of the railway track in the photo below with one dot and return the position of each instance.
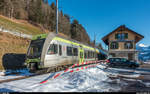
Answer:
(41, 72)
(19, 78)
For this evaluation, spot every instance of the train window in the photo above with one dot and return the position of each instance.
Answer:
(75, 51)
(53, 49)
(88, 54)
(60, 50)
(92, 54)
(95, 55)
(85, 54)
(69, 51)
(81, 55)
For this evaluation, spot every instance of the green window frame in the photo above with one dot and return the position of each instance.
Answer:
(121, 36)
(126, 35)
(114, 45)
(128, 45)
(116, 36)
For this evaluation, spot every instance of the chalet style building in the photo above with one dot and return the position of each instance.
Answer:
(122, 43)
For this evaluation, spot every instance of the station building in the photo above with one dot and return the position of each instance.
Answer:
(122, 43)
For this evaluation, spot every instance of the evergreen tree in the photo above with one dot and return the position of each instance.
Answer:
(40, 13)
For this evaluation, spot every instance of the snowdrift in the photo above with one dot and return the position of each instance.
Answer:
(89, 80)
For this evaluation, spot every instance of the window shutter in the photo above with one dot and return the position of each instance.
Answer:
(124, 45)
(111, 46)
(117, 44)
(116, 36)
(126, 35)
(131, 45)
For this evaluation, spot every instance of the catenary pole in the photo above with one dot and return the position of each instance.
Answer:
(57, 17)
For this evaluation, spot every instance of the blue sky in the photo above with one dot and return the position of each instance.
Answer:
(103, 16)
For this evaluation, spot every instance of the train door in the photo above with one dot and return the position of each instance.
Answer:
(60, 53)
(51, 58)
(81, 55)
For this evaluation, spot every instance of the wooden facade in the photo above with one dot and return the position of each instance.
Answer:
(122, 43)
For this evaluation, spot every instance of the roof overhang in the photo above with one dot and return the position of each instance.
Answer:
(122, 28)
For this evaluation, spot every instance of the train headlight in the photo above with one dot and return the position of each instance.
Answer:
(25, 64)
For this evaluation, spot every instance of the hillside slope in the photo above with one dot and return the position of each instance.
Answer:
(20, 26)
(11, 44)
(41, 13)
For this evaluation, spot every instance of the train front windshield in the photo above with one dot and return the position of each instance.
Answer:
(35, 48)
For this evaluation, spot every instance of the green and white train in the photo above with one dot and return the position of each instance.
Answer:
(54, 52)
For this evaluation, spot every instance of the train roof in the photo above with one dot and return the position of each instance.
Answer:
(42, 36)
(39, 36)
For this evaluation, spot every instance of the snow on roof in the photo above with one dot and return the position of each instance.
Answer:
(143, 45)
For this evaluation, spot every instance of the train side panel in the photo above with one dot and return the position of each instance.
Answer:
(60, 57)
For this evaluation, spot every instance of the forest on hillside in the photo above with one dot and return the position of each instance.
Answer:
(40, 13)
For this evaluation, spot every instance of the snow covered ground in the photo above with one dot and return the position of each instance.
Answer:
(21, 73)
(88, 80)
(147, 62)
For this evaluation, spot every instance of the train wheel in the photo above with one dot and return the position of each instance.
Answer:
(64, 67)
(50, 70)
(33, 67)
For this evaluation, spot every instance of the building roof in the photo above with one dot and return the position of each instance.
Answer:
(122, 28)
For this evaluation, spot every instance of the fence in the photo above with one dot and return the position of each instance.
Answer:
(70, 69)
(19, 34)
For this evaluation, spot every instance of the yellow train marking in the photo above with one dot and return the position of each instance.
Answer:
(73, 43)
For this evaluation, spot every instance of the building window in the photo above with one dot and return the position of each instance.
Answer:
(114, 45)
(128, 45)
(121, 36)
(126, 35)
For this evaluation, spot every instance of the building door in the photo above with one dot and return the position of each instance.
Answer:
(112, 55)
(130, 56)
